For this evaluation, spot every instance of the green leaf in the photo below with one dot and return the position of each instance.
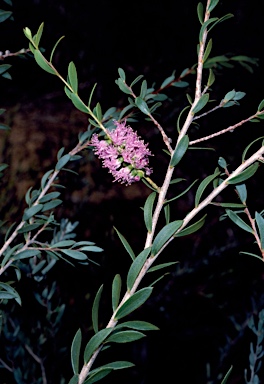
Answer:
(192, 228)
(238, 221)
(142, 105)
(72, 74)
(164, 235)
(201, 103)
(122, 74)
(249, 146)
(138, 325)
(143, 89)
(200, 12)
(125, 244)
(202, 187)
(30, 212)
(116, 289)
(211, 78)
(224, 381)
(180, 84)
(26, 254)
(252, 254)
(74, 254)
(62, 162)
(167, 81)
(213, 4)
(4, 68)
(115, 365)
(222, 163)
(167, 213)
(260, 224)
(9, 293)
(45, 178)
(242, 192)
(125, 337)
(244, 175)
(123, 86)
(95, 342)
(49, 196)
(95, 308)
(51, 204)
(179, 151)
(100, 374)
(78, 103)
(38, 35)
(205, 25)
(228, 205)
(161, 266)
(261, 105)
(4, 15)
(180, 194)
(136, 267)
(29, 227)
(42, 62)
(74, 380)
(98, 110)
(208, 50)
(148, 210)
(136, 80)
(55, 46)
(75, 351)
(178, 120)
(134, 302)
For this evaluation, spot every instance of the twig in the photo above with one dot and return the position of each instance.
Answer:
(229, 129)
(10, 54)
(163, 134)
(39, 361)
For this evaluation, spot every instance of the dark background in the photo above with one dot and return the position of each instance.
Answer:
(203, 305)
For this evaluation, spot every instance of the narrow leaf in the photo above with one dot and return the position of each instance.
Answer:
(200, 12)
(30, 212)
(261, 105)
(179, 151)
(242, 192)
(164, 235)
(100, 374)
(78, 103)
(148, 210)
(208, 50)
(121, 73)
(95, 342)
(224, 381)
(72, 74)
(42, 62)
(62, 162)
(134, 302)
(126, 244)
(26, 254)
(192, 228)
(202, 187)
(136, 266)
(260, 224)
(74, 254)
(142, 105)
(213, 4)
(201, 103)
(75, 351)
(238, 221)
(95, 309)
(249, 146)
(161, 266)
(116, 289)
(244, 175)
(125, 337)
(138, 325)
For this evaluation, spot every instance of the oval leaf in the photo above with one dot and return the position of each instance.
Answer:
(72, 74)
(42, 62)
(30, 212)
(192, 228)
(142, 105)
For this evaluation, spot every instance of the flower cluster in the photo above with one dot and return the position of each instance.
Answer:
(123, 153)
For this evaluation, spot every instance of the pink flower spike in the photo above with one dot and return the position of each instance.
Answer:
(125, 150)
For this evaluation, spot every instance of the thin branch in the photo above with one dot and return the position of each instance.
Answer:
(229, 129)
(40, 362)
(166, 140)
(206, 113)
(10, 54)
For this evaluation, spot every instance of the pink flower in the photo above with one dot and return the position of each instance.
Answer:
(123, 153)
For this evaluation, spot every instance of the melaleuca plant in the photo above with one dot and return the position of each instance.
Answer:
(126, 155)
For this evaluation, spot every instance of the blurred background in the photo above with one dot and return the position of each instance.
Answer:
(202, 306)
